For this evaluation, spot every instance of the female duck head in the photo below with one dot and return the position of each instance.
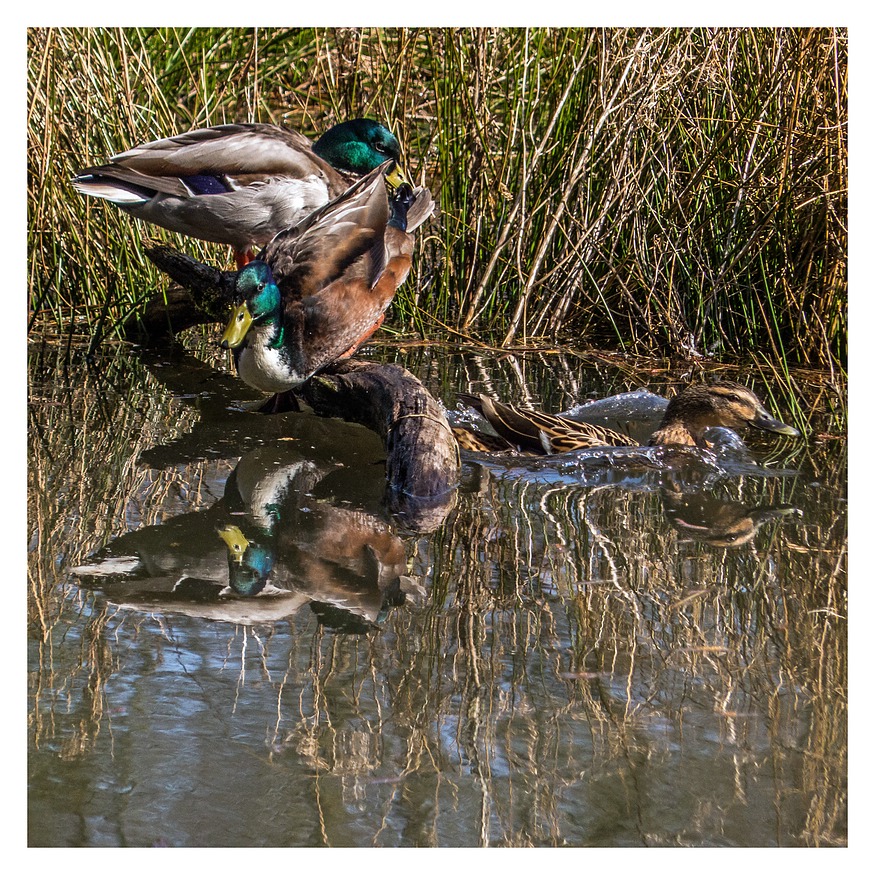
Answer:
(359, 146)
(722, 404)
(261, 303)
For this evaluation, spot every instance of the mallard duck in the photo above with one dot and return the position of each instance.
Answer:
(319, 290)
(239, 184)
(688, 415)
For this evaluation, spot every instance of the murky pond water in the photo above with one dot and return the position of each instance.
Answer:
(577, 657)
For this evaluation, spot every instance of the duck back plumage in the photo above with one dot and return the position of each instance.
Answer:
(337, 272)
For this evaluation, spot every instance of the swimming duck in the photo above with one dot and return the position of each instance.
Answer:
(239, 184)
(319, 290)
(688, 415)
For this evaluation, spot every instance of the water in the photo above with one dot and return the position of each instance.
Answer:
(602, 653)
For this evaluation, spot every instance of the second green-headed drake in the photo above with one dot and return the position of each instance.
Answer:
(319, 290)
(239, 184)
(688, 415)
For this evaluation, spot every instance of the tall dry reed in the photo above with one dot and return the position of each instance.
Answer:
(670, 191)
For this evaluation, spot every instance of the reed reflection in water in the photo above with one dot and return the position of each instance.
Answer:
(560, 662)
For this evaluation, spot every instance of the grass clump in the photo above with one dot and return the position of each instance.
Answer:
(670, 191)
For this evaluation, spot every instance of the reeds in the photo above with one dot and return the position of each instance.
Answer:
(670, 191)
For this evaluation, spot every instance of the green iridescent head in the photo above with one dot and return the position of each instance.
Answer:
(261, 302)
(358, 146)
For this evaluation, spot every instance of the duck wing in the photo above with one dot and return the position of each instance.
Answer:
(477, 442)
(344, 266)
(227, 149)
(533, 431)
(509, 422)
(422, 207)
(208, 161)
(344, 239)
(122, 185)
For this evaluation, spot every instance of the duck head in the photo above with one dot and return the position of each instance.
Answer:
(723, 404)
(261, 303)
(359, 146)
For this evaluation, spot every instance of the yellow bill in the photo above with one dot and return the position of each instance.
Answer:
(237, 328)
(235, 540)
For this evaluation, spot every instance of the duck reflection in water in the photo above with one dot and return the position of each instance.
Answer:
(273, 544)
(249, 564)
(708, 519)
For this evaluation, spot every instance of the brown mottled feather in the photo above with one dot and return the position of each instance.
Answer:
(688, 415)
(477, 442)
(539, 433)
(345, 238)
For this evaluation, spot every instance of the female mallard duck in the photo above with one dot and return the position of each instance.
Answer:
(688, 415)
(319, 290)
(239, 184)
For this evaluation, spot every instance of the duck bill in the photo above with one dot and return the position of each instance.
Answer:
(235, 541)
(396, 177)
(767, 422)
(237, 328)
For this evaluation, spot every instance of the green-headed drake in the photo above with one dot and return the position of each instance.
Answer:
(240, 184)
(319, 290)
(688, 415)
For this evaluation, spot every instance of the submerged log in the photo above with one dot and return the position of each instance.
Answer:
(422, 457)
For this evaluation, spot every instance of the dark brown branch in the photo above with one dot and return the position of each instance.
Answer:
(422, 458)
(205, 296)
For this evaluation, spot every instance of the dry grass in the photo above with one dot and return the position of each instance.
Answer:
(660, 191)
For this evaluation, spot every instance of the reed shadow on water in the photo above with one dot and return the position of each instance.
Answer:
(567, 660)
